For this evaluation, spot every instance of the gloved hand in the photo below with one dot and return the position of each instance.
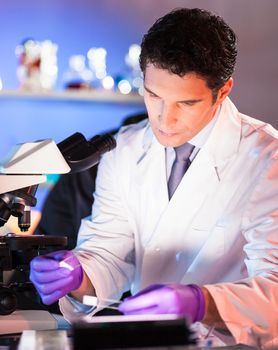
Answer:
(176, 299)
(55, 274)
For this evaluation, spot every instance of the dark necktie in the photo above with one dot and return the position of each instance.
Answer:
(180, 166)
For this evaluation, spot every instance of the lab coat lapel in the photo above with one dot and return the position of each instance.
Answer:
(151, 185)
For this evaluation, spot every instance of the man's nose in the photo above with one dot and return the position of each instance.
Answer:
(167, 115)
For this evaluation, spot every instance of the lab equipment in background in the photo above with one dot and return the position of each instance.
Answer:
(38, 69)
(78, 76)
(97, 63)
(37, 64)
(132, 61)
(130, 80)
(88, 72)
(91, 72)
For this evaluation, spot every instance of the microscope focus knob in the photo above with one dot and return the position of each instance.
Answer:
(8, 301)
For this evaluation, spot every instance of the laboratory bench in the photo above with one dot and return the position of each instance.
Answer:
(102, 333)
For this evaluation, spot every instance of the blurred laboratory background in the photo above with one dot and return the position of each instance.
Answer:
(71, 65)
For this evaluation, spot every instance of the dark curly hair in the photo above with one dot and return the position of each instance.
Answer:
(191, 40)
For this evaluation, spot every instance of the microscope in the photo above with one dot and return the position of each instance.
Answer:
(21, 172)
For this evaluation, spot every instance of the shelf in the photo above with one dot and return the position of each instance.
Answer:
(75, 96)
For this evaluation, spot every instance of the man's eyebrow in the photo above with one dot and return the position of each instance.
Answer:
(150, 91)
(183, 101)
(191, 101)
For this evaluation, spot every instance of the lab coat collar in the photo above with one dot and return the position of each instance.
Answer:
(223, 142)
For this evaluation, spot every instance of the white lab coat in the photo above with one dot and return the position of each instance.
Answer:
(219, 230)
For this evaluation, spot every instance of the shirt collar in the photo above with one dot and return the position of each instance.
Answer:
(200, 139)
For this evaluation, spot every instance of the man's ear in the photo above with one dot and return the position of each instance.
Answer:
(225, 90)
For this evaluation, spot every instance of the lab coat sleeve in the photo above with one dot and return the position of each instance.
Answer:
(249, 307)
(105, 244)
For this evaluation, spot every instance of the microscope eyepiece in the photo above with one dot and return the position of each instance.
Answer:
(81, 154)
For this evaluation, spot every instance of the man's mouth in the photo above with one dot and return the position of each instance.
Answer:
(167, 133)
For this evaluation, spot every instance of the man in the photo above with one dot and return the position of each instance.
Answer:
(206, 247)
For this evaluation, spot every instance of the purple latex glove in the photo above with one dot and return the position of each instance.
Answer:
(176, 299)
(53, 281)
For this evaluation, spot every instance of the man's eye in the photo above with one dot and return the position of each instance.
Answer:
(188, 104)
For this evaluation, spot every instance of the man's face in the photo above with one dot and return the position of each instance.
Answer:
(178, 107)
